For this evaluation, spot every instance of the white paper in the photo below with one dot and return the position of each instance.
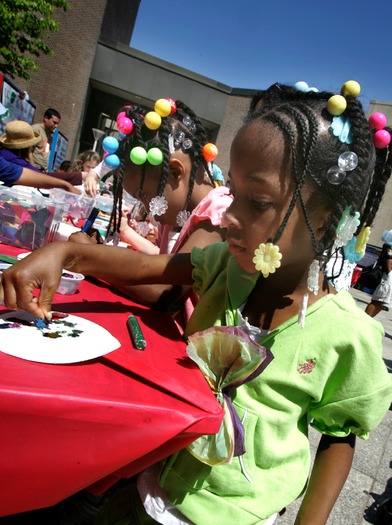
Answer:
(76, 339)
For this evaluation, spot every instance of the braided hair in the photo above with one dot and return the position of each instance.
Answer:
(181, 130)
(304, 122)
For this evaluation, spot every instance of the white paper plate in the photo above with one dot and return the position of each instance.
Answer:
(75, 339)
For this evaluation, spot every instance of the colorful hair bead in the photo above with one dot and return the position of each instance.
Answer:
(336, 105)
(303, 86)
(351, 87)
(112, 160)
(138, 155)
(173, 106)
(122, 114)
(382, 137)
(210, 152)
(155, 156)
(110, 144)
(152, 120)
(163, 107)
(341, 125)
(377, 121)
(125, 125)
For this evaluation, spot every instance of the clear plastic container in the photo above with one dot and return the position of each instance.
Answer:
(69, 283)
(27, 219)
(78, 206)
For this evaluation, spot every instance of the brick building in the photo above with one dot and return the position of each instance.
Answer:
(94, 72)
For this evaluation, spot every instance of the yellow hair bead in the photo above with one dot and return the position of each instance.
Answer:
(152, 120)
(336, 105)
(163, 107)
(351, 87)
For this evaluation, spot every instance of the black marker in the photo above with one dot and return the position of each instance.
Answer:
(136, 333)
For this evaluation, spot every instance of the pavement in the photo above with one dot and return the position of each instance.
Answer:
(370, 478)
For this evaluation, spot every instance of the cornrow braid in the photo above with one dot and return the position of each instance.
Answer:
(146, 138)
(314, 149)
(115, 215)
(297, 121)
(165, 132)
(200, 138)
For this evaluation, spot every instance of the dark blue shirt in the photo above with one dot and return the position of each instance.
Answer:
(9, 173)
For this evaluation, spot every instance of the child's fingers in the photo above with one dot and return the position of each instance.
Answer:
(19, 297)
(44, 302)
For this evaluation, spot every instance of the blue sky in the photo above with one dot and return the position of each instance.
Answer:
(254, 43)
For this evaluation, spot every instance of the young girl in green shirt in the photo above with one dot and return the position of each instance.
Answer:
(307, 175)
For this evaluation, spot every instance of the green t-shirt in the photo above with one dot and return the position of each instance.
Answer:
(330, 374)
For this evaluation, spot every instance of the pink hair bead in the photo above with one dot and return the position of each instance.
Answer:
(382, 138)
(377, 120)
(121, 115)
(125, 125)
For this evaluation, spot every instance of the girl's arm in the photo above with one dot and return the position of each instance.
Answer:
(42, 269)
(37, 179)
(136, 241)
(163, 296)
(330, 470)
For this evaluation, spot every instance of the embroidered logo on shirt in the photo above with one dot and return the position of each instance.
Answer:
(307, 367)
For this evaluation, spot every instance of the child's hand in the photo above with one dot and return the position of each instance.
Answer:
(82, 238)
(90, 183)
(41, 269)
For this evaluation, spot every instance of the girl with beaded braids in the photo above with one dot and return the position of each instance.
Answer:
(301, 173)
(165, 161)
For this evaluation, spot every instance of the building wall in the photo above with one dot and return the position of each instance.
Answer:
(116, 13)
(63, 79)
(235, 113)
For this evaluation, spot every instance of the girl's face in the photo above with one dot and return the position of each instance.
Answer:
(89, 165)
(176, 187)
(262, 185)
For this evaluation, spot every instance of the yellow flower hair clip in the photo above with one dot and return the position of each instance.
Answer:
(267, 258)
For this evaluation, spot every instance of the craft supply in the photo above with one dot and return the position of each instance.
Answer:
(41, 323)
(69, 282)
(90, 221)
(136, 333)
(65, 338)
(8, 259)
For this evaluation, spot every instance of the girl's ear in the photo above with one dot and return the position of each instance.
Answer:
(177, 168)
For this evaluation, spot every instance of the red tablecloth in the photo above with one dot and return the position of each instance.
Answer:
(85, 425)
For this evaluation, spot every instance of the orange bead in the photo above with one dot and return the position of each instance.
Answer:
(210, 152)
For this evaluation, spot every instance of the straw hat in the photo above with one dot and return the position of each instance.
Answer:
(19, 135)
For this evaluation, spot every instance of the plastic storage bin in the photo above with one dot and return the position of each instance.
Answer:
(27, 219)
(78, 206)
